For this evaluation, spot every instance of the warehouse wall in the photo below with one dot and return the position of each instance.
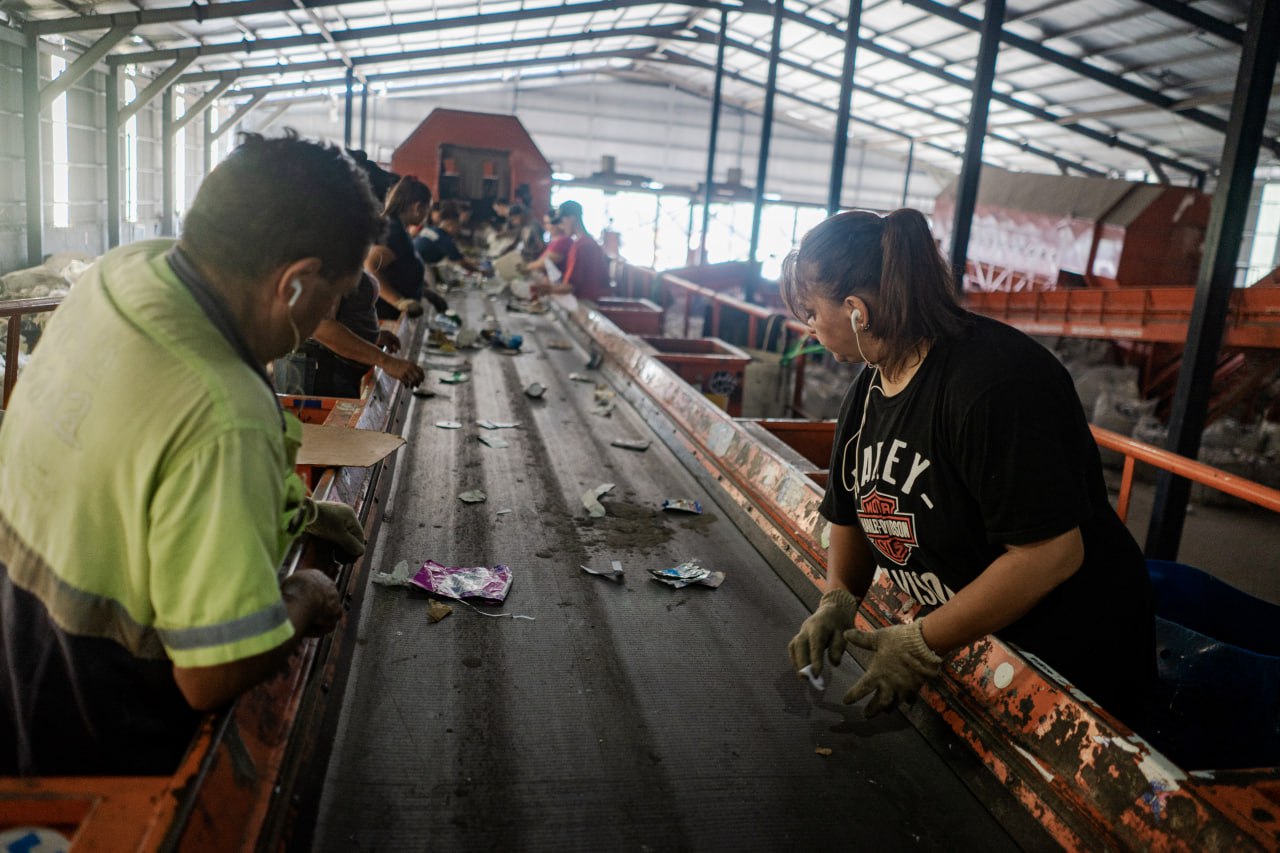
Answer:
(86, 231)
(652, 130)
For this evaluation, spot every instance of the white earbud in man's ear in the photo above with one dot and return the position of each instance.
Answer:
(296, 287)
(855, 318)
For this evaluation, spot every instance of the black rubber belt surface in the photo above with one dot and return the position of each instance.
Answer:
(625, 717)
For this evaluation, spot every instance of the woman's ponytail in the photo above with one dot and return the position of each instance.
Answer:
(407, 192)
(918, 301)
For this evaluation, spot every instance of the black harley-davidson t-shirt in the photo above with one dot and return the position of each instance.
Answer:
(988, 446)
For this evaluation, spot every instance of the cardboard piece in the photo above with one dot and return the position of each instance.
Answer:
(339, 446)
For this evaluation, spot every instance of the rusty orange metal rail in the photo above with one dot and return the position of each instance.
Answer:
(1196, 472)
(1145, 314)
(14, 310)
(666, 286)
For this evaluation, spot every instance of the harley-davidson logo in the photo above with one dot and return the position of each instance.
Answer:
(892, 532)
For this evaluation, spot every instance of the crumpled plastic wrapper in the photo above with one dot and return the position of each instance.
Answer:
(591, 499)
(399, 576)
(461, 582)
(687, 574)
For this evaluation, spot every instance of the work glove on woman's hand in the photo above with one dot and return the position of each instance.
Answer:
(336, 522)
(901, 664)
(824, 631)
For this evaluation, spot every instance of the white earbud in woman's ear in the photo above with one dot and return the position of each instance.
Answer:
(855, 318)
(296, 286)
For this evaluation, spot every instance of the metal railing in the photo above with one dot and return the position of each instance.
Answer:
(1197, 472)
(638, 281)
(15, 310)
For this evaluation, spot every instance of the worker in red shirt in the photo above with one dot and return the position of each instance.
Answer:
(586, 271)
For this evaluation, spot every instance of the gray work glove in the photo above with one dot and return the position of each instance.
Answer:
(336, 522)
(824, 631)
(901, 664)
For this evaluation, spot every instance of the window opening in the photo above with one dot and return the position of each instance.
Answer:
(61, 152)
(130, 156)
(179, 155)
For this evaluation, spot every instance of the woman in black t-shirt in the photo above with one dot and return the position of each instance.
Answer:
(393, 263)
(964, 467)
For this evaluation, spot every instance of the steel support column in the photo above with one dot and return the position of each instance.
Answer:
(239, 114)
(167, 163)
(155, 87)
(841, 143)
(209, 116)
(206, 101)
(971, 171)
(31, 150)
(113, 155)
(713, 139)
(766, 129)
(364, 116)
(906, 176)
(1216, 281)
(82, 66)
(346, 122)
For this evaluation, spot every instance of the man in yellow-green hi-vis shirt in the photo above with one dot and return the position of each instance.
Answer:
(147, 493)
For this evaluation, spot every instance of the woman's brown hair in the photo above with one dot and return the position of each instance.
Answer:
(407, 192)
(892, 264)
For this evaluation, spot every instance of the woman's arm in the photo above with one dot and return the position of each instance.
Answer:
(378, 259)
(1014, 583)
(850, 563)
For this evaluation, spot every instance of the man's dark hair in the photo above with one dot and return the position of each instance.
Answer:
(275, 201)
(380, 180)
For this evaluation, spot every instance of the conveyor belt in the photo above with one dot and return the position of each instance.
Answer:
(625, 717)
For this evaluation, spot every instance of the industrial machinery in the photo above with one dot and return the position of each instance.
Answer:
(1049, 232)
(476, 157)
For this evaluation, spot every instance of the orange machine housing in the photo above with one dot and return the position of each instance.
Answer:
(462, 154)
(1045, 232)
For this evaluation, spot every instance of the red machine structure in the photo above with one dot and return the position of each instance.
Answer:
(474, 156)
(1048, 232)
(1108, 259)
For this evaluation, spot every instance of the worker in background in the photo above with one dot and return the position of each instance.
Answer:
(559, 241)
(345, 345)
(393, 263)
(147, 490)
(586, 269)
(964, 467)
(438, 243)
(521, 235)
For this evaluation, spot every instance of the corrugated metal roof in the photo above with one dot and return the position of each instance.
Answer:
(915, 62)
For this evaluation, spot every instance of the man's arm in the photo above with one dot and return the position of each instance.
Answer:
(349, 345)
(314, 608)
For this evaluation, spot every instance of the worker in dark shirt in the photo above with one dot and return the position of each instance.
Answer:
(393, 263)
(350, 342)
(964, 468)
(436, 244)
